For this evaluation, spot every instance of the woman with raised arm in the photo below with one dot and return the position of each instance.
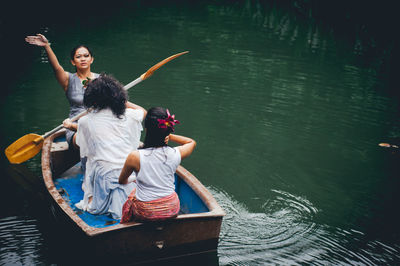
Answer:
(105, 136)
(72, 83)
(154, 197)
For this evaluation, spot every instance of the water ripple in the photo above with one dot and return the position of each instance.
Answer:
(248, 237)
(286, 233)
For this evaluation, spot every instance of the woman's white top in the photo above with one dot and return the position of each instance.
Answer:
(106, 141)
(101, 136)
(156, 177)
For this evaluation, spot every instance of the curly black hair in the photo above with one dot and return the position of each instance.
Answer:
(106, 92)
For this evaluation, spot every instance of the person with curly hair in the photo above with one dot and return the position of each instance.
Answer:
(154, 197)
(105, 136)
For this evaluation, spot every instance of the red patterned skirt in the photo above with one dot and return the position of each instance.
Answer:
(155, 210)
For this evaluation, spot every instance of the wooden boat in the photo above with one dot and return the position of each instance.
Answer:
(195, 230)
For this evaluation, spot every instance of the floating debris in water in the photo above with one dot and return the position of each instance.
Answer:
(388, 145)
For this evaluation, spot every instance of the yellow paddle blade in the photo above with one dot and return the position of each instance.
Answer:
(24, 148)
(160, 64)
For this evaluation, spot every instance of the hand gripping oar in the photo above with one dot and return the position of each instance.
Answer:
(29, 145)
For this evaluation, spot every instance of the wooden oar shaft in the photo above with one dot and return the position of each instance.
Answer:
(144, 76)
(133, 83)
(73, 119)
(29, 145)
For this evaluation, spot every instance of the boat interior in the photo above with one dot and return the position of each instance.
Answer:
(69, 185)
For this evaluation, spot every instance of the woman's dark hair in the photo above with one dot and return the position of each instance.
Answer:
(73, 51)
(155, 136)
(106, 92)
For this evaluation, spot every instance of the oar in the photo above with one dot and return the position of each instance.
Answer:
(29, 145)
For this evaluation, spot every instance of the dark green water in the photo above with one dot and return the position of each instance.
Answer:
(287, 114)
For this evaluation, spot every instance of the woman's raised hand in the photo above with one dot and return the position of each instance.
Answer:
(38, 40)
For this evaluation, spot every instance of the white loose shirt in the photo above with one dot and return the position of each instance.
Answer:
(156, 177)
(106, 141)
(103, 137)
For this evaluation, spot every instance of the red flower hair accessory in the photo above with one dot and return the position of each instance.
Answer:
(168, 122)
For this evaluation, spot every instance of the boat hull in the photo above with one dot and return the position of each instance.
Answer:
(188, 234)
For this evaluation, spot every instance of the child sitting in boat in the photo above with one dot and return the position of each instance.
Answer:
(105, 135)
(154, 197)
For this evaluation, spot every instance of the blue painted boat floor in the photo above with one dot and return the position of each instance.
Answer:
(69, 184)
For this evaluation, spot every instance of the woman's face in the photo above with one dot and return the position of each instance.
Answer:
(82, 58)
